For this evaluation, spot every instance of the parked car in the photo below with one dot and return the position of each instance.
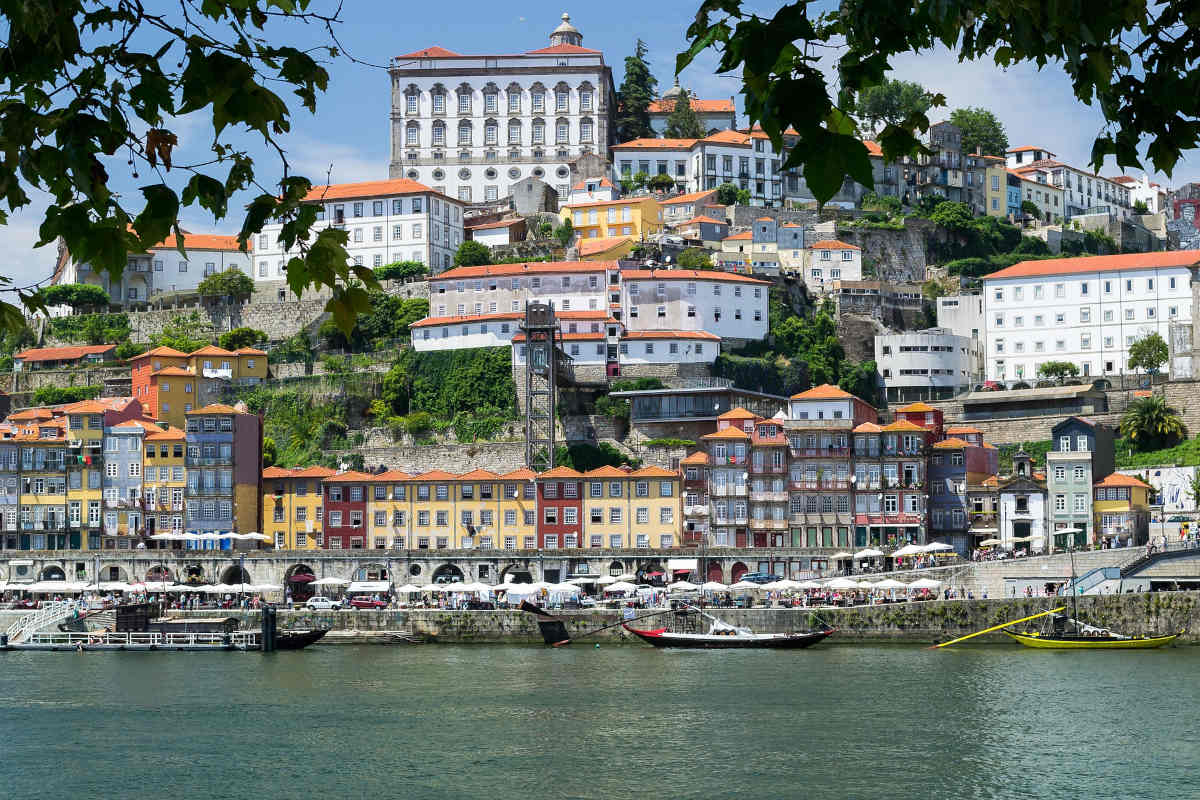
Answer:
(759, 577)
(367, 602)
(322, 604)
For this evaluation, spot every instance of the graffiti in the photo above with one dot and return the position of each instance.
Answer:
(1181, 228)
(1172, 486)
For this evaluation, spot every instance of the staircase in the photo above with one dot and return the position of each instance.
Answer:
(48, 614)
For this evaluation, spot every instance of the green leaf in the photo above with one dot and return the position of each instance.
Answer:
(159, 215)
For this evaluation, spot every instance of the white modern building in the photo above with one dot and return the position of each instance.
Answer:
(1082, 192)
(1144, 190)
(725, 304)
(473, 125)
(933, 364)
(159, 271)
(830, 260)
(961, 314)
(1087, 311)
(386, 221)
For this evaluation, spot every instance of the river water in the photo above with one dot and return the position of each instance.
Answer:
(611, 722)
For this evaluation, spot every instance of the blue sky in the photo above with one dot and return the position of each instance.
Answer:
(348, 137)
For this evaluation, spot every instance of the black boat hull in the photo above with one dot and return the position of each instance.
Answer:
(788, 641)
(297, 640)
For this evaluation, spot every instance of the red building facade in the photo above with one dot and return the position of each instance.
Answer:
(345, 501)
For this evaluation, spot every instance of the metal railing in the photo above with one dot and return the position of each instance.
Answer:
(48, 614)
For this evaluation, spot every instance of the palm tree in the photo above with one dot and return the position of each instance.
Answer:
(1151, 424)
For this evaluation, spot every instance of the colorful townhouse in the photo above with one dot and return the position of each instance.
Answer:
(1081, 457)
(292, 510)
(389, 510)
(10, 487)
(889, 479)
(43, 499)
(123, 461)
(170, 383)
(345, 503)
(163, 479)
(627, 508)
(695, 498)
(955, 465)
(559, 508)
(1122, 510)
(224, 471)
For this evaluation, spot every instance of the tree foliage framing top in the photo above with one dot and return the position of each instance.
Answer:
(90, 82)
(1132, 60)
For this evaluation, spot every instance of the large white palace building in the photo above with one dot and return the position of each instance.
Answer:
(470, 126)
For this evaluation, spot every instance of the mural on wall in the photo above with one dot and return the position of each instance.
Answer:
(1182, 228)
(1172, 485)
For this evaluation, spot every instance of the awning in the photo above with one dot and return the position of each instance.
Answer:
(369, 587)
(681, 564)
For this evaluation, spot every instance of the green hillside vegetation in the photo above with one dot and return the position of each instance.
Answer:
(1184, 454)
(303, 432)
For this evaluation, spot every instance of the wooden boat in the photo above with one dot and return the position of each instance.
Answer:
(735, 638)
(297, 640)
(1065, 633)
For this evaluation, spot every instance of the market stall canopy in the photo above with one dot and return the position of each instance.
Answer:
(890, 583)
(925, 583)
(989, 542)
(683, 586)
(330, 582)
(868, 553)
(607, 579)
(842, 583)
(935, 547)
(908, 550)
(714, 586)
(683, 564)
(841, 556)
(369, 587)
(409, 588)
(621, 586)
(746, 585)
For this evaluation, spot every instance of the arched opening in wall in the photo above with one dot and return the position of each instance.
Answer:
(234, 575)
(580, 568)
(1020, 385)
(1102, 384)
(52, 573)
(414, 570)
(739, 569)
(516, 573)
(298, 579)
(652, 572)
(114, 574)
(715, 572)
(372, 572)
(616, 568)
(159, 572)
(193, 573)
(447, 573)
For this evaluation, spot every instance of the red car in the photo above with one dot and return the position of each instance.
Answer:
(367, 602)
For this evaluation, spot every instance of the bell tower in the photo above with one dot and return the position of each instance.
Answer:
(566, 33)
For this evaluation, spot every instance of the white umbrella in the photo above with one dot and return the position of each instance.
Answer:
(409, 588)
(628, 576)
(746, 585)
(211, 536)
(842, 555)
(267, 587)
(256, 536)
(868, 553)
(606, 580)
(565, 588)
(585, 579)
(714, 586)
(621, 586)
(989, 542)
(774, 586)
(683, 586)
(114, 586)
(935, 547)
(925, 583)
(889, 583)
(330, 582)
(788, 584)
(473, 587)
(163, 537)
(842, 583)
(908, 550)
(810, 585)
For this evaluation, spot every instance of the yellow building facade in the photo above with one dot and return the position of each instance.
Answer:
(637, 217)
(1121, 509)
(638, 509)
(292, 506)
(995, 186)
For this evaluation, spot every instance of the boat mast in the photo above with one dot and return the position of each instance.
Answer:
(1074, 592)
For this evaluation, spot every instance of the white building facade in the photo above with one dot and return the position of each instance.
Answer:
(1082, 192)
(472, 125)
(830, 260)
(386, 221)
(961, 314)
(1088, 311)
(932, 364)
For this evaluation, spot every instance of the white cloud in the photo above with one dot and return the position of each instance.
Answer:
(341, 163)
(18, 260)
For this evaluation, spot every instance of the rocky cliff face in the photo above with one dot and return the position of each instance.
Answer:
(898, 256)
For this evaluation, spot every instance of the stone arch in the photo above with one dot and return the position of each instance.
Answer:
(715, 572)
(114, 573)
(193, 573)
(415, 570)
(737, 571)
(447, 573)
(517, 573)
(646, 571)
(302, 589)
(1020, 385)
(1103, 383)
(234, 574)
(616, 568)
(160, 572)
(372, 571)
(53, 572)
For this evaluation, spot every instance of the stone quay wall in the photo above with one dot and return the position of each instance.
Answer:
(917, 622)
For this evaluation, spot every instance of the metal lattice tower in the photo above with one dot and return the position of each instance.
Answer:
(541, 396)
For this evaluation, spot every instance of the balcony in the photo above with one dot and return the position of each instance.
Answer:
(902, 453)
(728, 490)
(769, 497)
(818, 424)
(210, 461)
(768, 469)
(214, 372)
(821, 518)
(812, 486)
(888, 518)
(769, 524)
(820, 452)
(695, 511)
(210, 491)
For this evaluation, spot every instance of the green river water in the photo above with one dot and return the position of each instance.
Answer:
(498, 722)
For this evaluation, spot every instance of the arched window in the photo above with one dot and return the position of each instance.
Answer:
(562, 131)
(587, 97)
(412, 100)
(562, 98)
(586, 127)
(439, 133)
(491, 99)
(464, 133)
(464, 99)
(491, 132)
(514, 131)
(539, 131)
(537, 97)
(412, 134)
(514, 98)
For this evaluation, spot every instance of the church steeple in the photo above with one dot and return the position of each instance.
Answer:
(566, 33)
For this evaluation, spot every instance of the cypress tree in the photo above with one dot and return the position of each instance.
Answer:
(634, 97)
(683, 122)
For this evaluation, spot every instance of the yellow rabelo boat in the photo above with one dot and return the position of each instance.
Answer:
(1065, 633)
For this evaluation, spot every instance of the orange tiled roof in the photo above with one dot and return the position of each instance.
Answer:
(315, 472)
(276, 472)
(709, 220)
(744, 235)
(654, 472)
(522, 474)
(903, 425)
(172, 434)
(655, 144)
(604, 183)
(917, 408)
(561, 472)
(478, 475)
(687, 198)
(728, 433)
(728, 137)
(832, 244)
(1117, 479)
(687, 275)
(162, 352)
(346, 191)
(511, 270)
(350, 476)
(590, 247)
(70, 353)
(1086, 264)
(140, 424)
(500, 223)
(952, 443)
(249, 351)
(705, 335)
(202, 241)
(825, 391)
(435, 475)
(31, 414)
(217, 408)
(606, 471)
(432, 52)
(698, 457)
(211, 350)
(867, 427)
(502, 316)
(738, 413)
(1025, 148)
(561, 49)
